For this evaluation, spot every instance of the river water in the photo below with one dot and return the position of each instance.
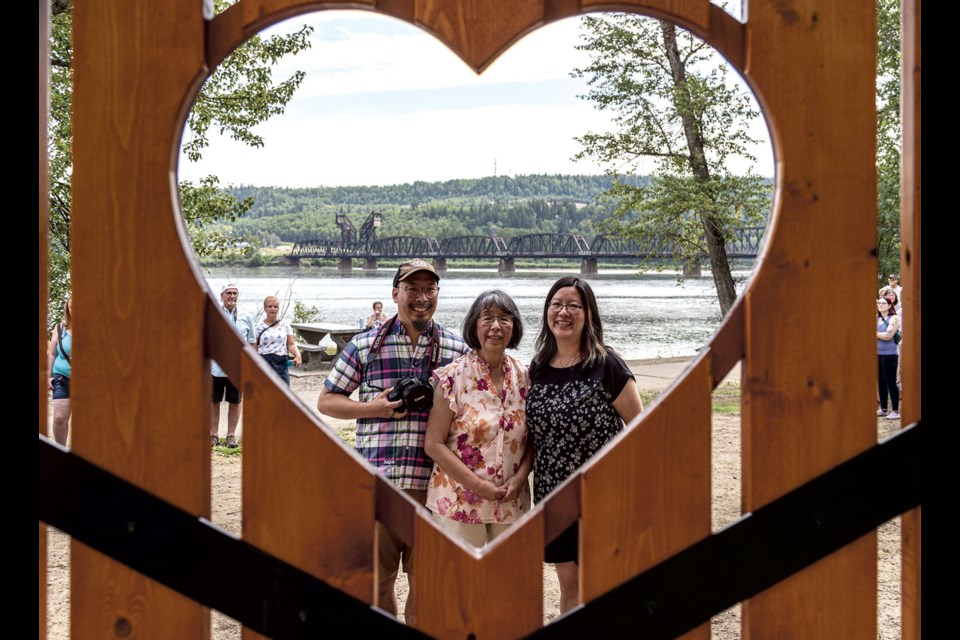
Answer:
(646, 316)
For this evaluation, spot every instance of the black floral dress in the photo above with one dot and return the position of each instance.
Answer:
(570, 415)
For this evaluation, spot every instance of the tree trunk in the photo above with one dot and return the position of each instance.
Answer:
(716, 247)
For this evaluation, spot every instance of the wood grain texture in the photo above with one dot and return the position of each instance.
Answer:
(727, 35)
(246, 18)
(497, 596)
(307, 499)
(140, 375)
(727, 346)
(693, 14)
(811, 366)
(478, 30)
(141, 392)
(648, 496)
(910, 260)
(42, 250)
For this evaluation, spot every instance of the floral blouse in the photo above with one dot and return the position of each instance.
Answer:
(488, 433)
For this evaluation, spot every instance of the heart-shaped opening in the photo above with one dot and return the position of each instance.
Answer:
(391, 139)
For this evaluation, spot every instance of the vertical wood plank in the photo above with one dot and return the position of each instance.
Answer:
(140, 384)
(499, 595)
(910, 258)
(810, 377)
(306, 498)
(649, 497)
(42, 220)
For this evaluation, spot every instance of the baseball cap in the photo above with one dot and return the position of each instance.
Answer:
(227, 287)
(410, 267)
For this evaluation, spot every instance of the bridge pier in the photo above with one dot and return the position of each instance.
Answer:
(691, 269)
(506, 266)
(588, 266)
(293, 261)
(345, 265)
(440, 264)
(370, 264)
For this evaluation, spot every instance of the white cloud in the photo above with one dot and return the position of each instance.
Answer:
(385, 102)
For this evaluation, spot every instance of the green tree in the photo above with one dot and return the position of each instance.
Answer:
(672, 103)
(240, 94)
(888, 138)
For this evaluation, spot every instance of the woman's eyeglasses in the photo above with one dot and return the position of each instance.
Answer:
(573, 307)
(505, 321)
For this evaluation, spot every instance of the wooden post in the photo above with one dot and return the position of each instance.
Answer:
(910, 225)
(43, 249)
(140, 387)
(808, 402)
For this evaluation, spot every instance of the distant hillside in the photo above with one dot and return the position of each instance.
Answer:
(272, 201)
(505, 206)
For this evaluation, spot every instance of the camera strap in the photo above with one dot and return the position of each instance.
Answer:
(386, 327)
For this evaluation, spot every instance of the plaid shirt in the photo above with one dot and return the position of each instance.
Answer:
(393, 446)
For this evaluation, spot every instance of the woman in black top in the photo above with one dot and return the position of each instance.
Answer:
(581, 394)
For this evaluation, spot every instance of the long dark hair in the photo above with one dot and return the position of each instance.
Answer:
(592, 348)
(892, 308)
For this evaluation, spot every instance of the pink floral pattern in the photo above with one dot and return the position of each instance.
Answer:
(489, 434)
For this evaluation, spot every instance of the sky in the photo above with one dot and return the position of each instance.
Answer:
(384, 102)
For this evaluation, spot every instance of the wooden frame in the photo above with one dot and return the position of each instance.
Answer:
(810, 62)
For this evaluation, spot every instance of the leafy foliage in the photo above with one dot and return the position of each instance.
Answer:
(889, 131)
(673, 106)
(209, 204)
(504, 206)
(241, 93)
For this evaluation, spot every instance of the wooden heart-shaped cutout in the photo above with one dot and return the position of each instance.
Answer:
(345, 492)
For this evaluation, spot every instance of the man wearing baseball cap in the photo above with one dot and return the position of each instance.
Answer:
(222, 387)
(408, 345)
(894, 280)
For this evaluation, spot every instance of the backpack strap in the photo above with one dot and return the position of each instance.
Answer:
(60, 344)
(265, 330)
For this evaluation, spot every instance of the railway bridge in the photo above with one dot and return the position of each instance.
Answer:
(366, 246)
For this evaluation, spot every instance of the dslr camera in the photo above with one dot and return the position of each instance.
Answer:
(415, 392)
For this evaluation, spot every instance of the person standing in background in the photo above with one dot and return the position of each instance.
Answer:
(59, 366)
(377, 318)
(888, 324)
(223, 389)
(275, 342)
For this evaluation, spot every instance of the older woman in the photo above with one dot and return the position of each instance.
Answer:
(275, 339)
(888, 324)
(581, 394)
(58, 363)
(477, 431)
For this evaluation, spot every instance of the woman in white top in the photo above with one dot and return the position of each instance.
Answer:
(275, 339)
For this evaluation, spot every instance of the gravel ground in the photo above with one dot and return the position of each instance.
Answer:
(226, 483)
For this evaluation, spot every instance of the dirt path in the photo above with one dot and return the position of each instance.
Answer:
(226, 484)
